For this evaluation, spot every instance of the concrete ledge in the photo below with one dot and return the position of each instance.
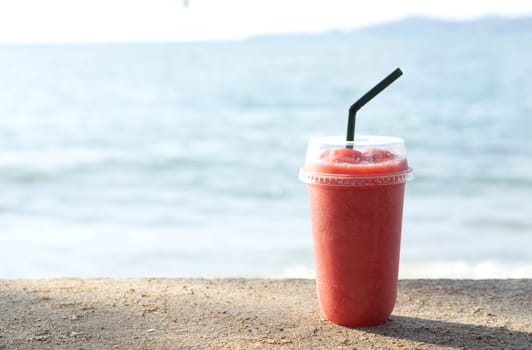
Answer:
(242, 314)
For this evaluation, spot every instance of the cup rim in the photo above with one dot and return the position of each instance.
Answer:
(343, 180)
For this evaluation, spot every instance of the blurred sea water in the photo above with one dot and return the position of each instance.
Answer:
(181, 159)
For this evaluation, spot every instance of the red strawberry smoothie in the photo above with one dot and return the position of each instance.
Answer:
(356, 202)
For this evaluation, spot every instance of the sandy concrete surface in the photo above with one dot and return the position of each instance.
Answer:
(245, 314)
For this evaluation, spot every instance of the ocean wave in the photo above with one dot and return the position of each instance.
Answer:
(33, 167)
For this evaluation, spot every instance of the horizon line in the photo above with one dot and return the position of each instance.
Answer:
(376, 25)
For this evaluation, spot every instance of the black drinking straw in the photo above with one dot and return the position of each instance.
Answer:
(365, 99)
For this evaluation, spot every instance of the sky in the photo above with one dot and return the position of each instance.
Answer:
(65, 21)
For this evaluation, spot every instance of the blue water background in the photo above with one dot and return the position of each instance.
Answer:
(181, 159)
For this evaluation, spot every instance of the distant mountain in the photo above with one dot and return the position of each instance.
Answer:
(415, 25)
(425, 24)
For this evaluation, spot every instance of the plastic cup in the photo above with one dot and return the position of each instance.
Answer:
(356, 201)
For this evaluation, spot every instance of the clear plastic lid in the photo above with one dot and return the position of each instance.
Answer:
(367, 161)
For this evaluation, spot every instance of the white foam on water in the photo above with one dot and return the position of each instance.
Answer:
(440, 269)
(465, 270)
